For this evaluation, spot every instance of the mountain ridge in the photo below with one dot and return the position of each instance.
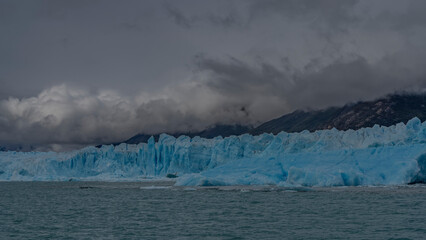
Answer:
(385, 111)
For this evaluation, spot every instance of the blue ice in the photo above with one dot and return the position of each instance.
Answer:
(369, 156)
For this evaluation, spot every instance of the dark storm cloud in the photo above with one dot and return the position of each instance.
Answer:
(82, 43)
(179, 17)
(222, 13)
(335, 14)
(236, 78)
(340, 82)
(74, 73)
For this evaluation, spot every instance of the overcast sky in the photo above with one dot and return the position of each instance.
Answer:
(76, 73)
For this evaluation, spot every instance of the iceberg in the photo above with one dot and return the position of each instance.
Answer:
(370, 156)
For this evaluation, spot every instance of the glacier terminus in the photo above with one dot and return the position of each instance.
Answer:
(374, 156)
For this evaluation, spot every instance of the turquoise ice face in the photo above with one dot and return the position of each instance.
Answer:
(369, 156)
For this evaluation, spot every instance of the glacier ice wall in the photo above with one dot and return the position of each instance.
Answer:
(369, 156)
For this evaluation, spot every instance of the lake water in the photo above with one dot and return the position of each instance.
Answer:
(146, 210)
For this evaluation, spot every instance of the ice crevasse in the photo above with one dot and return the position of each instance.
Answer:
(368, 156)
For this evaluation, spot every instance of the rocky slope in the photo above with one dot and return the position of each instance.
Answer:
(385, 112)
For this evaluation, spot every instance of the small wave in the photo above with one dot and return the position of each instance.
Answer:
(155, 187)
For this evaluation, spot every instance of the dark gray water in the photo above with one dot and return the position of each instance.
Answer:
(100, 210)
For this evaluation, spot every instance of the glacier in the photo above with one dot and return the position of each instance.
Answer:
(373, 156)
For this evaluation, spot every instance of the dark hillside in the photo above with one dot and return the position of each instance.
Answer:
(386, 112)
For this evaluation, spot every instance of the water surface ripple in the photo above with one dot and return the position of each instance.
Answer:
(103, 210)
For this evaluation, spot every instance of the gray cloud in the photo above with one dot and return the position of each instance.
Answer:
(334, 14)
(75, 73)
(179, 17)
(340, 82)
(220, 13)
